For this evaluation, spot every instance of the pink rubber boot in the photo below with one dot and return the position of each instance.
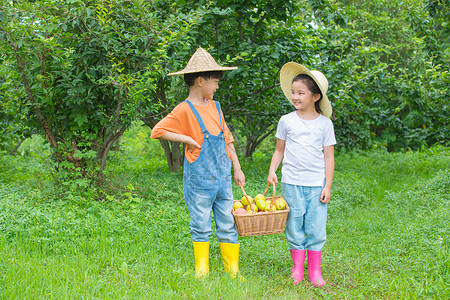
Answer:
(298, 257)
(314, 272)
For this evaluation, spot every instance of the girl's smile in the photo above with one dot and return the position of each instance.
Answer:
(302, 98)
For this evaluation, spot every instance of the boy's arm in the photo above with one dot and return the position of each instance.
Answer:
(176, 137)
(328, 152)
(277, 157)
(239, 176)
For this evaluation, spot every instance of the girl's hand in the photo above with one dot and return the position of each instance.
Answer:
(325, 196)
(272, 178)
(192, 144)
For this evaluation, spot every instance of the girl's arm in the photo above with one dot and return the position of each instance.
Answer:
(176, 137)
(277, 157)
(328, 152)
(239, 176)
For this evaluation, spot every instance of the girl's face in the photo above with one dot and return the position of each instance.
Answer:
(209, 87)
(302, 98)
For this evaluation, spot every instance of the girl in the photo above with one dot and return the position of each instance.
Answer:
(305, 143)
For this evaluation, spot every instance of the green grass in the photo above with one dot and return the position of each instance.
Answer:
(388, 232)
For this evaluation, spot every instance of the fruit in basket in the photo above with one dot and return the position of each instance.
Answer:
(251, 212)
(260, 196)
(237, 204)
(255, 208)
(240, 211)
(280, 203)
(270, 206)
(246, 200)
(261, 204)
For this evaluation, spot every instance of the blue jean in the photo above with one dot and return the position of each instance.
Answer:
(203, 194)
(207, 187)
(306, 222)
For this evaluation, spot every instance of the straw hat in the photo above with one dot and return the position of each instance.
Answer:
(201, 61)
(292, 69)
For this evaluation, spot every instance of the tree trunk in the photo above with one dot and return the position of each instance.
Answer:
(174, 155)
(253, 141)
(14, 151)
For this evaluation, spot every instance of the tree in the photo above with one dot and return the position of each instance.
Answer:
(386, 65)
(258, 37)
(85, 69)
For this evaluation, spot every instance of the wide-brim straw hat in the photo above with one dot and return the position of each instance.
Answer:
(291, 69)
(201, 61)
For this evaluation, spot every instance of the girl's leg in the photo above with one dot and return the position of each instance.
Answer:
(315, 228)
(295, 229)
(315, 219)
(295, 233)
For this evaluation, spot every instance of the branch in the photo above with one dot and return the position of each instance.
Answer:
(250, 94)
(257, 27)
(105, 152)
(258, 141)
(21, 66)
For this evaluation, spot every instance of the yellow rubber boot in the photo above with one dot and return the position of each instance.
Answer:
(201, 255)
(230, 259)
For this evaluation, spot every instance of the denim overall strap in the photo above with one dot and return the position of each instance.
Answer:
(197, 115)
(207, 187)
(220, 115)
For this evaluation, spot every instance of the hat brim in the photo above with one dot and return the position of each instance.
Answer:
(289, 71)
(187, 71)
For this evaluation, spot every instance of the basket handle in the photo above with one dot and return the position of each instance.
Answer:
(245, 194)
(274, 190)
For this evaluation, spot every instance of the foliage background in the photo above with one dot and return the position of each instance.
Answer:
(96, 66)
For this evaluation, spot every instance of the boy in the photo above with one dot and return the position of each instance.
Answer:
(198, 122)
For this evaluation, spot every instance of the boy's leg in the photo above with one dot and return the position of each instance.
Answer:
(295, 229)
(225, 230)
(199, 198)
(222, 208)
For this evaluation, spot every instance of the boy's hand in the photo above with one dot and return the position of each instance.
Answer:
(192, 144)
(272, 178)
(326, 195)
(239, 177)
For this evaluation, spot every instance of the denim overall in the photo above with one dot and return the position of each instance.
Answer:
(207, 185)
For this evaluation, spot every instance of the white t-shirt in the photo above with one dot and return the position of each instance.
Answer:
(303, 162)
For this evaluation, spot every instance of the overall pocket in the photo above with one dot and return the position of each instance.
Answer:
(201, 184)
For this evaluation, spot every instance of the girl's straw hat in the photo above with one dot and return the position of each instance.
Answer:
(201, 61)
(292, 69)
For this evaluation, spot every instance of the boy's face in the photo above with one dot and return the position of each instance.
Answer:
(208, 87)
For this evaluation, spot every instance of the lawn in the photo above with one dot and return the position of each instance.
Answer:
(388, 231)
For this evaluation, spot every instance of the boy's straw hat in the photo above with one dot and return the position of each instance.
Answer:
(292, 69)
(201, 61)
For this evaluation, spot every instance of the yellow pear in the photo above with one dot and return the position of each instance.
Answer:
(260, 196)
(237, 204)
(255, 208)
(280, 203)
(246, 201)
(261, 204)
(270, 206)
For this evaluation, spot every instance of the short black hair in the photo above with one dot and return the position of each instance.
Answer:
(190, 77)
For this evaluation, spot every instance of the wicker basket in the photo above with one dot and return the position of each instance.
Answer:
(261, 223)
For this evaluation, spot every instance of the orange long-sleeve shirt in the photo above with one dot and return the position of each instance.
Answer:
(182, 120)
